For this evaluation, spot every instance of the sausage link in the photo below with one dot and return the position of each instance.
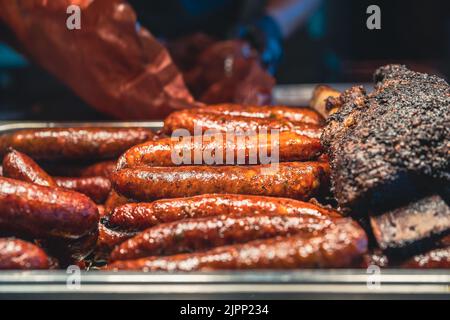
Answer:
(297, 180)
(200, 234)
(297, 114)
(96, 188)
(100, 169)
(340, 246)
(248, 150)
(44, 212)
(224, 123)
(17, 254)
(140, 216)
(19, 166)
(74, 143)
(434, 259)
(115, 200)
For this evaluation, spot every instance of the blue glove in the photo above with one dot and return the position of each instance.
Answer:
(265, 36)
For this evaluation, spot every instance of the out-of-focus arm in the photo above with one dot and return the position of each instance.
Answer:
(290, 14)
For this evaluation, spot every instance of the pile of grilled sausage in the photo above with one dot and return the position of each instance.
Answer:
(112, 198)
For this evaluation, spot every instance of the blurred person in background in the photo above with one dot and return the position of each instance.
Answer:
(297, 41)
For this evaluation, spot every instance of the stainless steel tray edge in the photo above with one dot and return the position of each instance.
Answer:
(297, 284)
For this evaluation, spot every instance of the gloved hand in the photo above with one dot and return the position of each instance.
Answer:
(265, 36)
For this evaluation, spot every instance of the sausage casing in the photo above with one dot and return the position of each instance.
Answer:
(96, 188)
(202, 122)
(17, 254)
(340, 246)
(44, 212)
(74, 143)
(434, 259)
(115, 200)
(192, 235)
(19, 166)
(302, 114)
(140, 216)
(297, 180)
(100, 169)
(249, 150)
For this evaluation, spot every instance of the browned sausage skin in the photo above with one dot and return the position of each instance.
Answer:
(74, 143)
(96, 188)
(340, 246)
(45, 212)
(225, 123)
(140, 216)
(248, 149)
(297, 180)
(17, 254)
(193, 235)
(19, 166)
(115, 200)
(100, 169)
(434, 259)
(297, 114)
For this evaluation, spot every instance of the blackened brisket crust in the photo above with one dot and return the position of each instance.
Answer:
(379, 143)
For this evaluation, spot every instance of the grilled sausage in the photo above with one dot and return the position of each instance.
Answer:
(192, 235)
(100, 169)
(109, 238)
(340, 246)
(96, 188)
(19, 166)
(199, 123)
(44, 212)
(305, 115)
(140, 216)
(115, 200)
(218, 150)
(17, 254)
(434, 259)
(297, 180)
(74, 143)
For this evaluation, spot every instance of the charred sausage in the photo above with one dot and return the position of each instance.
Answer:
(115, 200)
(434, 259)
(17, 254)
(298, 180)
(21, 167)
(140, 216)
(286, 146)
(109, 238)
(200, 123)
(74, 143)
(44, 212)
(337, 247)
(192, 235)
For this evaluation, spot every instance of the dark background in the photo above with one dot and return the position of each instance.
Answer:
(333, 46)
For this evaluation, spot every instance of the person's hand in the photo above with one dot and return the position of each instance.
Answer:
(265, 36)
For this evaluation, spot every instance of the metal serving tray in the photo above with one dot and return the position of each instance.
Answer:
(298, 284)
